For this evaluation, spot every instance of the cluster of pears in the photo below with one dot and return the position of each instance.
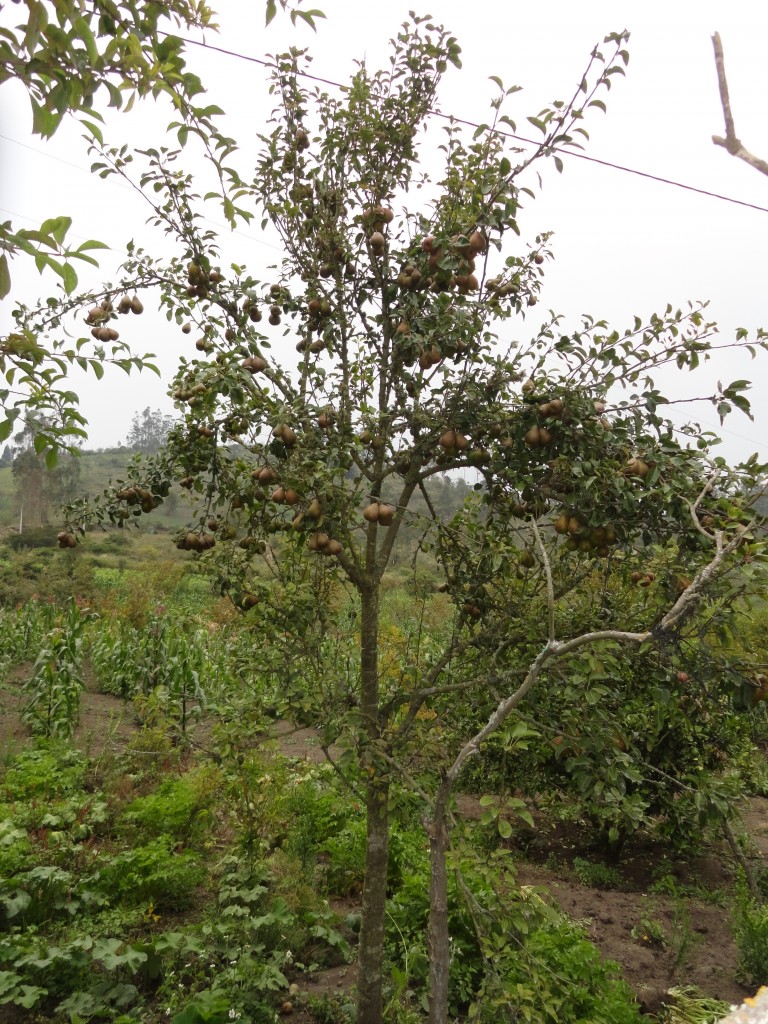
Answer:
(97, 316)
(589, 539)
(318, 312)
(375, 218)
(379, 512)
(254, 364)
(200, 280)
(512, 286)
(637, 467)
(459, 255)
(191, 395)
(138, 496)
(195, 541)
(540, 435)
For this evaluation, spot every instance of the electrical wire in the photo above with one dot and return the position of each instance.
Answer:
(504, 134)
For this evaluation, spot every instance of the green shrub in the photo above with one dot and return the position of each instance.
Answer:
(751, 934)
(44, 772)
(598, 876)
(153, 874)
(179, 808)
(558, 978)
(38, 537)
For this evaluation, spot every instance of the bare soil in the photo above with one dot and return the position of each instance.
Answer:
(697, 947)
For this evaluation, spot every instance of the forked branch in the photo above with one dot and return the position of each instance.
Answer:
(731, 142)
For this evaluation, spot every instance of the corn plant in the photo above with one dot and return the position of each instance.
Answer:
(22, 630)
(54, 687)
(119, 659)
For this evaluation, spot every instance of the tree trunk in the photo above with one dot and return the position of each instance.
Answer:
(437, 930)
(370, 1000)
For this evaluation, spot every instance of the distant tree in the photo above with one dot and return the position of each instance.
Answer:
(40, 487)
(149, 430)
(7, 457)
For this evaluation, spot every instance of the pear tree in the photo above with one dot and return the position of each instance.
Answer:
(383, 350)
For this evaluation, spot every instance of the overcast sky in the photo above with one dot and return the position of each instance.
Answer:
(623, 244)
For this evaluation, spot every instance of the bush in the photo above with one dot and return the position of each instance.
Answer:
(39, 537)
(45, 772)
(179, 808)
(153, 874)
(751, 934)
(560, 978)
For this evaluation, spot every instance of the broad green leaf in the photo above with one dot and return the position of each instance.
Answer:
(92, 243)
(5, 277)
(69, 277)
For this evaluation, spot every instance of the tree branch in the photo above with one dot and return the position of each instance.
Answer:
(731, 142)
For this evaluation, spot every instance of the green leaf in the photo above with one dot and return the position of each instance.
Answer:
(271, 12)
(92, 243)
(57, 227)
(43, 121)
(30, 995)
(505, 829)
(69, 277)
(94, 130)
(5, 276)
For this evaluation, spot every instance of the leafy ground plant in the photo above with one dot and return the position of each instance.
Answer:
(751, 936)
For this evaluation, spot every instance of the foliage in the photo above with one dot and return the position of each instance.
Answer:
(153, 873)
(596, 875)
(23, 628)
(162, 665)
(179, 808)
(53, 690)
(42, 772)
(557, 977)
(669, 735)
(751, 932)
(65, 56)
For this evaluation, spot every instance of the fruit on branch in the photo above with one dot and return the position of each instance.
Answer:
(478, 241)
(379, 512)
(561, 524)
(254, 364)
(552, 409)
(537, 437)
(637, 467)
(453, 442)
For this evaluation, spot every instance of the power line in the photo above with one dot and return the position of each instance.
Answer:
(504, 134)
(118, 184)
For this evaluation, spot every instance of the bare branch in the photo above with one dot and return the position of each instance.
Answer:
(731, 142)
(695, 506)
(550, 585)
